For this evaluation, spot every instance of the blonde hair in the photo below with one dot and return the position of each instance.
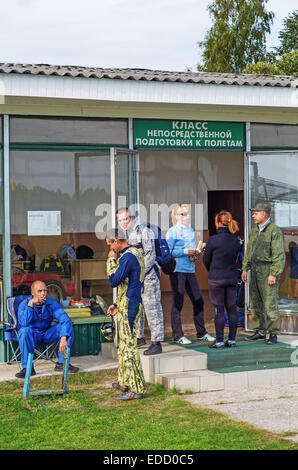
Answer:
(226, 219)
(176, 209)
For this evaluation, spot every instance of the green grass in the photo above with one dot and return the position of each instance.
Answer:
(89, 418)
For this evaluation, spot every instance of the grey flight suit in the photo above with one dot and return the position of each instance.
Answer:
(264, 256)
(151, 297)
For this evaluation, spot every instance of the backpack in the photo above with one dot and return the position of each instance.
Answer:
(52, 264)
(164, 256)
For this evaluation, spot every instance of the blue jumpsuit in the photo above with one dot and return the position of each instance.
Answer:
(37, 328)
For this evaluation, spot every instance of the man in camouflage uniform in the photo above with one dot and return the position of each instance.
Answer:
(142, 237)
(265, 258)
(126, 271)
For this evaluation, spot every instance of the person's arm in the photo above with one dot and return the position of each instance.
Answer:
(61, 316)
(246, 264)
(25, 314)
(207, 256)
(118, 271)
(148, 246)
(277, 253)
(172, 240)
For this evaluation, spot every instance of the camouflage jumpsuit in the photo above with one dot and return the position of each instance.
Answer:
(264, 256)
(130, 371)
(143, 237)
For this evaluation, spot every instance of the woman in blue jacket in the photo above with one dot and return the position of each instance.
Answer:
(220, 260)
(182, 243)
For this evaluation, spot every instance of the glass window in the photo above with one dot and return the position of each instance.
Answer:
(273, 178)
(76, 131)
(54, 198)
(274, 135)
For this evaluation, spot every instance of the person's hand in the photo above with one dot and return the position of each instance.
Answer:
(192, 251)
(112, 310)
(63, 344)
(244, 276)
(271, 280)
(35, 300)
(112, 254)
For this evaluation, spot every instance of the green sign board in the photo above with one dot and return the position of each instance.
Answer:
(188, 135)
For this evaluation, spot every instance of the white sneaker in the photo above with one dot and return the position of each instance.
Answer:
(207, 337)
(183, 340)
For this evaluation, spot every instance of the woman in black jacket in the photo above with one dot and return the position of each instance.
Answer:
(220, 260)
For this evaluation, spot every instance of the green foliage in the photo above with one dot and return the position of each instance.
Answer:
(282, 60)
(237, 36)
(289, 34)
(262, 68)
(288, 63)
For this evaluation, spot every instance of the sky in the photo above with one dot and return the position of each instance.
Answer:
(147, 34)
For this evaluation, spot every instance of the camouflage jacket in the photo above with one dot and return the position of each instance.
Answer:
(265, 247)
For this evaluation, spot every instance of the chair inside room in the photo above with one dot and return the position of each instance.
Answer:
(11, 328)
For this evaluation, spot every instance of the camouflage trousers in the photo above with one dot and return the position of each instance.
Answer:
(130, 370)
(263, 301)
(151, 298)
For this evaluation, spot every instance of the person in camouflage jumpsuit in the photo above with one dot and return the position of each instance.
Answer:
(126, 271)
(265, 258)
(142, 237)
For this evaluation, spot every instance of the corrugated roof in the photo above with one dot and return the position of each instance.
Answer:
(150, 75)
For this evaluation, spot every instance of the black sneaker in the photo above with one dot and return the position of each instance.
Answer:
(255, 337)
(141, 342)
(22, 373)
(272, 339)
(229, 344)
(154, 348)
(59, 368)
(216, 345)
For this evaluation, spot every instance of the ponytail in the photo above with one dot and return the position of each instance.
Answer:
(226, 218)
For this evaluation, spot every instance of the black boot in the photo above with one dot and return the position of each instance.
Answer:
(154, 348)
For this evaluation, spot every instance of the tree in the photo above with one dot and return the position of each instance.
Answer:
(262, 68)
(288, 36)
(284, 59)
(237, 36)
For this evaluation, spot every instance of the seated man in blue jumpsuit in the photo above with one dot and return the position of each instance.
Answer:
(35, 316)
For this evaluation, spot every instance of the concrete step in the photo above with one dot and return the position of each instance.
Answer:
(173, 359)
(251, 379)
(195, 381)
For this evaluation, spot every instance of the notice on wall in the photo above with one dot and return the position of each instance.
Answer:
(186, 135)
(44, 223)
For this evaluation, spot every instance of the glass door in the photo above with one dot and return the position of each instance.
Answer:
(273, 178)
(124, 180)
(124, 189)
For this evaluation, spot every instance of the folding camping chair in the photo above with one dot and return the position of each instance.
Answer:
(48, 352)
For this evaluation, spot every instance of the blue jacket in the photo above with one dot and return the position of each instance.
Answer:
(220, 255)
(180, 239)
(51, 310)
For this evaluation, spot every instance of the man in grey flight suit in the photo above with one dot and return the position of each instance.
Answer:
(143, 237)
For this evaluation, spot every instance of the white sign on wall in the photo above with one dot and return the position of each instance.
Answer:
(44, 223)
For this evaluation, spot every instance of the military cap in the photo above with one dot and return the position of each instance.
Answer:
(260, 206)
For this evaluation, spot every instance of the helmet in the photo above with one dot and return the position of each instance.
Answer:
(108, 331)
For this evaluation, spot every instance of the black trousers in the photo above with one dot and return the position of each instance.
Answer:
(180, 283)
(223, 294)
